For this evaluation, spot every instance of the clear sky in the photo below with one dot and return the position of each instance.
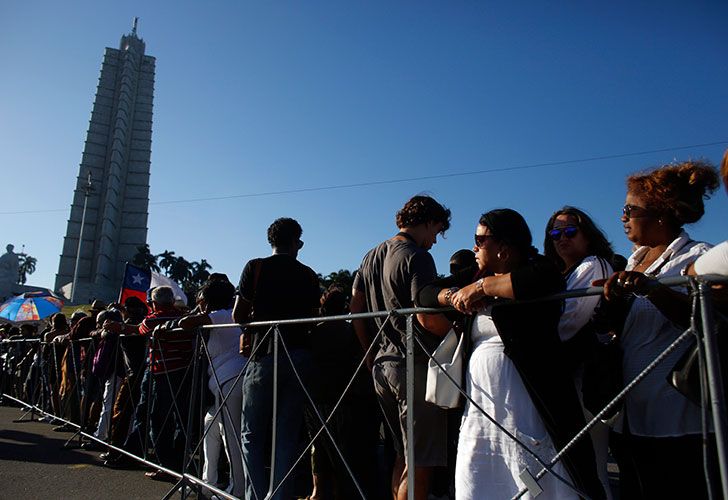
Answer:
(261, 97)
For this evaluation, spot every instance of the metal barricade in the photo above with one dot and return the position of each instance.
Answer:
(706, 332)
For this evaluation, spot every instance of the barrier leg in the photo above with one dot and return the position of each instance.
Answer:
(271, 484)
(410, 409)
(715, 383)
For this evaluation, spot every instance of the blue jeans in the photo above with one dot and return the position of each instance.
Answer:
(258, 417)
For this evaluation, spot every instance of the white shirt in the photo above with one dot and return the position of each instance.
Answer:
(654, 408)
(578, 311)
(224, 349)
(714, 261)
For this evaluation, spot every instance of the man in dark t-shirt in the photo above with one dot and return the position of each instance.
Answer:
(389, 278)
(275, 288)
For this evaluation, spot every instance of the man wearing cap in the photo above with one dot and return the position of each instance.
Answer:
(169, 358)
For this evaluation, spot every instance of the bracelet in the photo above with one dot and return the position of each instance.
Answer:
(448, 294)
(479, 286)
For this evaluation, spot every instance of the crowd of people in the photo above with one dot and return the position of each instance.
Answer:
(155, 379)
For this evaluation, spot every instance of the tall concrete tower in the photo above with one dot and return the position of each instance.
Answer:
(117, 156)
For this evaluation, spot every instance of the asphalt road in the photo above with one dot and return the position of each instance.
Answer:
(34, 465)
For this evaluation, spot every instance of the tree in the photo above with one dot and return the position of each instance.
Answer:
(200, 271)
(190, 275)
(144, 258)
(180, 270)
(166, 260)
(342, 277)
(26, 265)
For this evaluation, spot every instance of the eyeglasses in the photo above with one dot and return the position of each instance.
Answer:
(480, 239)
(300, 244)
(634, 212)
(568, 231)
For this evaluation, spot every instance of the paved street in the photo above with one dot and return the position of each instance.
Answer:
(33, 465)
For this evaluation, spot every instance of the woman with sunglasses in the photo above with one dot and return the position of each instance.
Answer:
(659, 445)
(583, 254)
(515, 372)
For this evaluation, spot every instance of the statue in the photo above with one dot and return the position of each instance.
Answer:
(9, 264)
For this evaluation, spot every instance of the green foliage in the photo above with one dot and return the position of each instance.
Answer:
(342, 277)
(189, 274)
(26, 266)
(144, 258)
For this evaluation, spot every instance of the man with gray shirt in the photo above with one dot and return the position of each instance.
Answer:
(389, 278)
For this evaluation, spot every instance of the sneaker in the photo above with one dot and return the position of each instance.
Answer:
(158, 475)
(92, 446)
(120, 462)
(65, 428)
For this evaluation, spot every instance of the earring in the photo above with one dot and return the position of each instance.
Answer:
(498, 255)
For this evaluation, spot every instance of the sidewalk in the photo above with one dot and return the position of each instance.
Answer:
(33, 465)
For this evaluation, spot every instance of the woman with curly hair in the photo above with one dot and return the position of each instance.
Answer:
(660, 444)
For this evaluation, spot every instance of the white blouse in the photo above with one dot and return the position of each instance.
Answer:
(224, 349)
(653, 407)
(578, 311)
(715, 261)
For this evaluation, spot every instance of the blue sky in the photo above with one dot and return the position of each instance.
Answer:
(259, 97)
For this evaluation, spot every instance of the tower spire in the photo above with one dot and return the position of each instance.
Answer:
(134, 26)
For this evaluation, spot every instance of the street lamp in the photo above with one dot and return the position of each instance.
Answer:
(86, 193)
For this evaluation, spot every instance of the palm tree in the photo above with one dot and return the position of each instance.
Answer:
(26, 266)
(145, 258)
(166, 261)
(200, 272)
(180, 270)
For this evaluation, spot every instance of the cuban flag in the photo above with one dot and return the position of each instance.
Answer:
(138, 280)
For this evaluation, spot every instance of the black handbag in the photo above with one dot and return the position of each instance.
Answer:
(602, 379)
(686, 375)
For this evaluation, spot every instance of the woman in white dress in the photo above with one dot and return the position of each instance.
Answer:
(659, 449)
(515, 371)
(582, 252)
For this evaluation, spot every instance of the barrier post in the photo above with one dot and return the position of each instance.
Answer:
(715, 382)
(189, 455)
(271, 484)
(410, 364)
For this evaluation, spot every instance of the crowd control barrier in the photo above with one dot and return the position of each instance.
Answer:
(37, 362)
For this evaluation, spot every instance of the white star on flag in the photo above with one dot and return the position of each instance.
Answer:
(138, 279)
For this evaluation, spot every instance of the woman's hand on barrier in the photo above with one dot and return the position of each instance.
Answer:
(468, 299)
(623, 283)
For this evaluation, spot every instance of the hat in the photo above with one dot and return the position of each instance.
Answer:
(163, 295)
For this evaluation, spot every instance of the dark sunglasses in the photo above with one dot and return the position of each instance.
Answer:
(568, 231)
(480, 239)
(633, 211)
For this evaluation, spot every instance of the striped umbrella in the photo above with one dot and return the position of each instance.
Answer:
(30, 306)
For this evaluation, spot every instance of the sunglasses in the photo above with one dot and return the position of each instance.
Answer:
(633, 211)
(480, 239)
(568, 231)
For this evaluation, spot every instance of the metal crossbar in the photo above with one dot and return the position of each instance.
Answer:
(708, 351)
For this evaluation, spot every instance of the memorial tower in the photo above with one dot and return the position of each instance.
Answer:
(108, 219)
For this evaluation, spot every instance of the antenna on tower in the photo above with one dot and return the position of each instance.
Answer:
(134, 26)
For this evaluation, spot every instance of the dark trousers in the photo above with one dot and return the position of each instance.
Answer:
(664, 468)
(135, 441)
(169, 411)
